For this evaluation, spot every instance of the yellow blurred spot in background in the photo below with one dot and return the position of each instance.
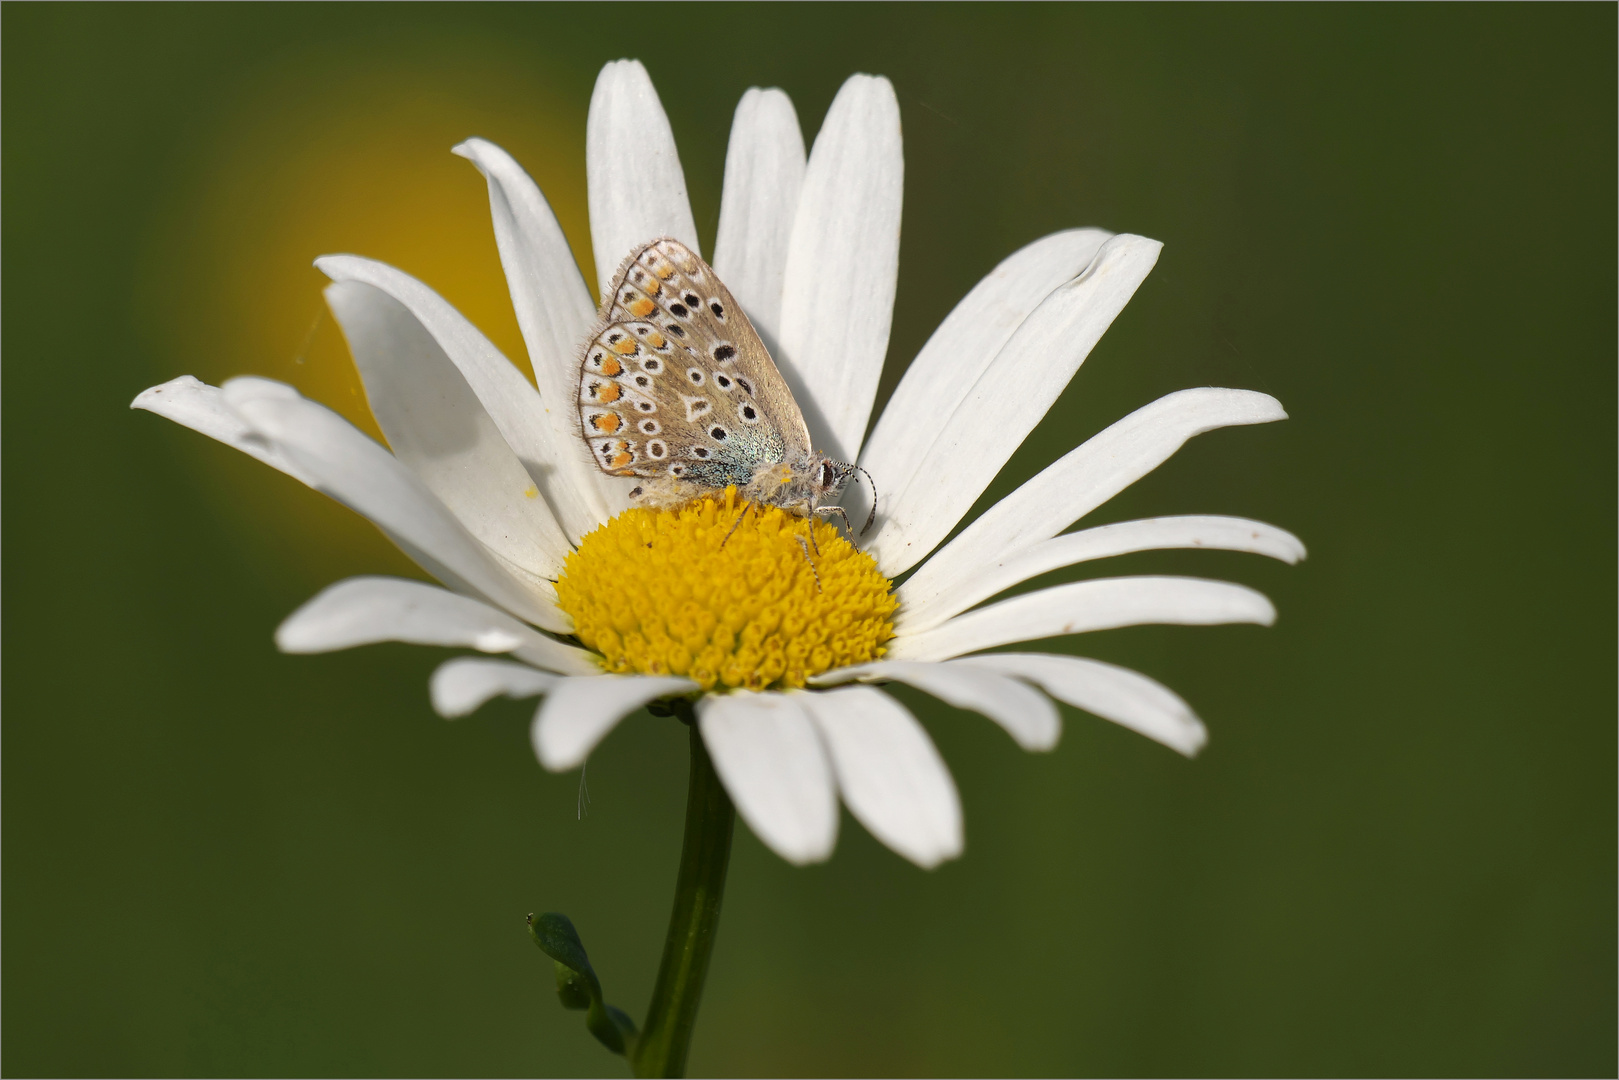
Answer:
(352, 160)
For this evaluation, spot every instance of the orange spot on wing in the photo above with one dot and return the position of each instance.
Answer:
(624, 348)
(622, 460)
(642, 308)
(656, 340)
(607, 422)
(664, 271)
(653, 288)
(611, 367)
(609, 393)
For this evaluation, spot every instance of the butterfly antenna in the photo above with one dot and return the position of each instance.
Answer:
(871, 517)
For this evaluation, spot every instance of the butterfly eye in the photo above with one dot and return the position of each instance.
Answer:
(722, 353)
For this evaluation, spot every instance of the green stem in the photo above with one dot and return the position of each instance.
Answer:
(666, 1036)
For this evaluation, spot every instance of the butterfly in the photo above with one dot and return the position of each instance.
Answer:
(676, 387)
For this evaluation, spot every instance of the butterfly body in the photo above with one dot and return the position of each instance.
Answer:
(676, 388)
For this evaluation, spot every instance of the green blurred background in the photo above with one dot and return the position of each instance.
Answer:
(1397, 855)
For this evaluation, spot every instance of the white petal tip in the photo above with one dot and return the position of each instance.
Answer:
(803, 858)
(153, 396)
(495, 641)
(1191, 743)
(304, 633)
(554, 760)
(1042, 744)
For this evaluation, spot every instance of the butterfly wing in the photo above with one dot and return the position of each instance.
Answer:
(676, 382)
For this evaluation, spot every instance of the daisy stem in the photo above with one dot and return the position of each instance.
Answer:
(706, 852)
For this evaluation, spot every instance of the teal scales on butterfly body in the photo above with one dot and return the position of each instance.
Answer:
(676, 387)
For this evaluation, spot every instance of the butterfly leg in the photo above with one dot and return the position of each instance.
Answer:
(828, 511)
(745, 508)
(809, 560)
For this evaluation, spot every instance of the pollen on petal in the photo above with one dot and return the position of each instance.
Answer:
(726, 598)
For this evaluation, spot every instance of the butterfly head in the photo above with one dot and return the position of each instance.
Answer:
(828, 478)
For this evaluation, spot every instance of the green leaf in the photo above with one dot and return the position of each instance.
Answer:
(572, 987)
(577, 984)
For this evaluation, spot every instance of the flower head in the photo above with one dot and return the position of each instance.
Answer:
(725, 596)
(778, 625)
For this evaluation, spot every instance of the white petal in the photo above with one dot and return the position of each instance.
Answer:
(437, 429)
(843, 264)
(1088, 605)
(368, 610)
(555, 312)
(764, 170)
(578, 713)
(1086, 477)
(1114, 693)
(917, 613)
(1026, 715)
(1007, 401)
(512, 403)
(461, 686)
(962, 348)
(890, 773)
(637, 188)
(352, 469)
(773, 765)
(200, 407)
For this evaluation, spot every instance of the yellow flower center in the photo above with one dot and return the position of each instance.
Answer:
(725, 597)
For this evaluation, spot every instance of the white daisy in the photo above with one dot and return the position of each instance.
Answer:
(490, 489)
